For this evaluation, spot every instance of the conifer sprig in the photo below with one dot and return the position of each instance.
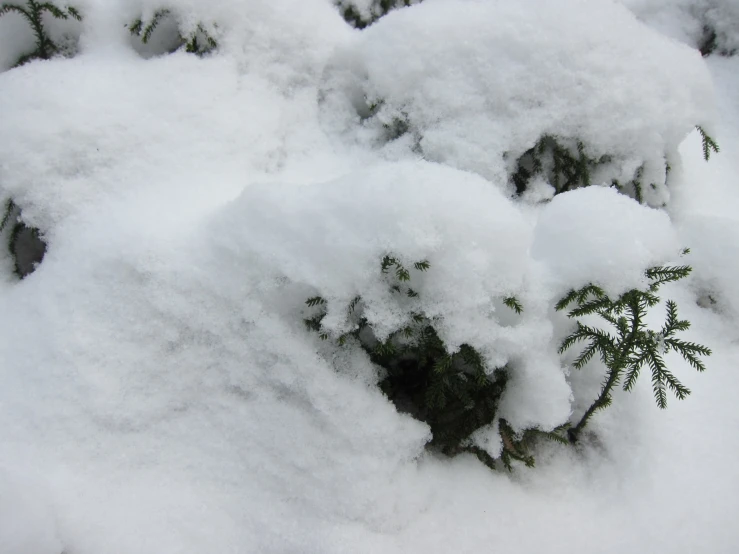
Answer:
(198, 42)
(513, 303)
(453, 391)
(7, 213)
(708, 143)
(33, 12)
(628, 345)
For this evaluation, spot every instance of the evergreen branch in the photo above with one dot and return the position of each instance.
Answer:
(314, 323)
(566, 300)
(666, 274)
(658, 388)
(678, 389)
(513, 303)
(387, 262)
(708, 143)
(690, 352)
(135, 27)
(633, 372)
(580, 296)
(586, 355)
(53, 10)
(672, 323)
(315, 301)
(593, 306)
(443, 364)
(402, 273)
(635, 345)
(353, 304)
(422, 265)
(9, 209)
(7, 8)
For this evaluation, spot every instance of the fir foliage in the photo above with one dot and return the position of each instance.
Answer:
(625, 344)
(8, 212)
(33, 12)
(455, 393)
(566, 165)
(198, 42)
(709, 145)
(25, 244)
(377, 9)
(713, 43)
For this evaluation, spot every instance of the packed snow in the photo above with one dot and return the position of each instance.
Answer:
(160, 392)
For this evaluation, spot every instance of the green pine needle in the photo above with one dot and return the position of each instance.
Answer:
(315, 301)
(708, 143)
(513, 303)
(634, 345)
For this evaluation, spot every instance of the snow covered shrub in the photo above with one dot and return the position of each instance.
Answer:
(454, 392)
(174, 34)
(537, 87)
(33, 13)
(361, 13)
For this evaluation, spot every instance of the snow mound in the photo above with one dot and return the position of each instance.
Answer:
(597, 235)
(508, 73)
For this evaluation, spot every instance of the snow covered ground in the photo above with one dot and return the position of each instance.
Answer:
(158, 390)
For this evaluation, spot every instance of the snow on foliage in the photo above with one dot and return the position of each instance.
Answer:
(158, 391)
(509, 73)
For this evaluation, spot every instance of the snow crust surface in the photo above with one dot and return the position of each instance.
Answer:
(160, 393)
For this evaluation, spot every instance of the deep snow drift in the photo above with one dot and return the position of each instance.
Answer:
(159, 392)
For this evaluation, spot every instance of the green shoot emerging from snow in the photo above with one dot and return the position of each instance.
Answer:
(454, 392)
(33, 12)
(626, 345)
(709, 145)
(198, 41)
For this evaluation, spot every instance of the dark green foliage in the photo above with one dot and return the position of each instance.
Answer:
(626, 345)
(709, 145)
(563, 163)
(566, 165)
(33, 13)
(711, 43)
(198, 42)
(453, 392)
(513, 303)
(708, 42)
(25, 243)
(378, 9)
(8, 212)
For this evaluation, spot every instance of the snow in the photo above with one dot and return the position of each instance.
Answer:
(504, 85)
(597, 235)
(160, 393)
